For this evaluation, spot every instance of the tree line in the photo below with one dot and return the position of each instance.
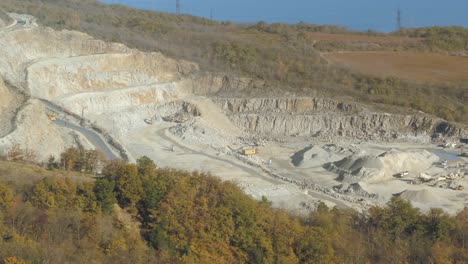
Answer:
(141, 213)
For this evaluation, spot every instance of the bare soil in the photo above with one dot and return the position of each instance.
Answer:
(420, 67)
(319, 36)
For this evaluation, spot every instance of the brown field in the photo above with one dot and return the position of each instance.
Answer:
(421, 67)
(256, 35)
(318, 36)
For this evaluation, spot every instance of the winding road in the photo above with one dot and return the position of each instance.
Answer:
(90, 135)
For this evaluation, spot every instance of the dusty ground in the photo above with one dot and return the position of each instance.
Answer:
(421, 67)
(209, 143)
(313, 171)
(157, 142)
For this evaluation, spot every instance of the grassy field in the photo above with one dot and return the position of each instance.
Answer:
(420, 67)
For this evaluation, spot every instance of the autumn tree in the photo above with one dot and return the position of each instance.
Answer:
(6, 196)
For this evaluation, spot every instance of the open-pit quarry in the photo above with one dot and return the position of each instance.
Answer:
(128, 103)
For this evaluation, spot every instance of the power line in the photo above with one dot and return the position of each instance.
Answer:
(178, 7)
(399, 19)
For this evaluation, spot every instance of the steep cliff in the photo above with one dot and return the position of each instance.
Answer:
(53, 78)
(22, 48)
(329, 118)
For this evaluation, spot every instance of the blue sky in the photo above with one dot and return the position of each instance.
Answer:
(355, 14)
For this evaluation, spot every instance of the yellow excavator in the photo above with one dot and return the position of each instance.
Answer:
(52, 117)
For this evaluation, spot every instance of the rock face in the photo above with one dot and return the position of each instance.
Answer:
(121, 99)
(323, 117)
(303, 105)
(28, 46)
(53, 78)
(5, 20)
(35, 132)
(10, 101)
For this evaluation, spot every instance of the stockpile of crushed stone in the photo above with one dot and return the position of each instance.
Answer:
(318, 155)
(372, 169)
(359, 189)
(422, 196)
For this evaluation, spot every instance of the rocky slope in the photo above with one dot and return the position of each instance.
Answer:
(35, 132)
(5, 20)
(103, 72)
(109, 81)
(25, 47)
(82, 75)
(329, 118)
(10, 101)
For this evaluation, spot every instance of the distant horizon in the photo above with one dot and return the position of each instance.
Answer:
(358, 15)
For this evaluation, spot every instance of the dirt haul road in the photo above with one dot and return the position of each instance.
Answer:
(91, 136)
(156, 142)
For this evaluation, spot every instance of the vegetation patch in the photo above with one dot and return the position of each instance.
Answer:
(172, 216)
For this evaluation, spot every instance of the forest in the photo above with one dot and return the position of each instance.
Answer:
(282, 55)
(139, 213)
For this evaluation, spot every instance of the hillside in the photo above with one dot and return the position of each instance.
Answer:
(133, 136)
(173, 216)
(287, 57)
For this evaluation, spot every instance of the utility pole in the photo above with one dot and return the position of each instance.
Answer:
(83, 108)
(178, 7)
(399, 19)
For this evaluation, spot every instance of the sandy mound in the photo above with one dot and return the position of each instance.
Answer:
(319, 155)
(176, 111)
(360, 189)
(364, 167)
(200, 122)
(312, 154)
(198, 131)
(423, 196)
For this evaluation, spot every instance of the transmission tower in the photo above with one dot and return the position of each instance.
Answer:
(178, 7)
(399, 19)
